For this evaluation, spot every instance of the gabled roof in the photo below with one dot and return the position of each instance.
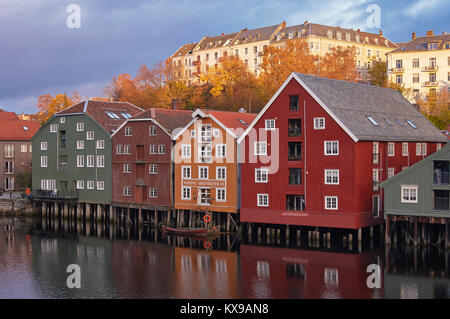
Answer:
(232, 122)
(436, 155)
(351, 104)
(8, 116)
(169, 119)
(110, 115)
(17, 130)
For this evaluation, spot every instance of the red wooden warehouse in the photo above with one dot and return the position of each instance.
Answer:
(316, 153)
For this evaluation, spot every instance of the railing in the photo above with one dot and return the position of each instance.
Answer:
(397, 70)
(294, 157)
(296, 131)
(430, 68)
(441, 203)
(441, 178)
(430, 83)
(55, 194)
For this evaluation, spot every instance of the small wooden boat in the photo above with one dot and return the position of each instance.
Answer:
(187, 231)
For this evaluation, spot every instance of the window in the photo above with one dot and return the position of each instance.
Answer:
(23, 148)
(331, 202)
(186, 172)
(100, 144)
(80, 127)
(48, 185)
(193, 134)
(101, 185)
(216, 133)
(9, 183)
(294, 151)
(44, 161)
(90, 184)
(80, 184)
(411, 124)
(261, 175)
(128, 131)
(100, 160)
(432, 77)
(53, 128)
(391, 172)
(153, 193)
(409, 194)
(221, 150)
(9, 167)
(432, 46)
(221, 195)
(405, 149)
(90, 135)
(221, 173)
(126, 115)
(126, 191)
(432, 62)
(161, 149)
(391, 149)
(152, 130)
(263, 200)
(293, 104)
(8, 150)
(295, 202)
(375, 152)
(260, 148)
(186, 193)
(205, 154)
(270, 125)
(203, 172)
(415, 63)
(295, 176)
(399, 79)
(127, 168)
(319, 123)
(294, 127)
(399, 64)
(80, 145)
(153, 149)
(418, 149)
(90, 161)
(371, 119)
(80, 160)
(62, 120)
(127, 149)
(332, 176)
(112, 115)
(438, 147)
(119, 149)
(331, 148)
(44, 146)
(416, 78)
(153, 169)
(424, 149)
(205, 133)
(331, 277)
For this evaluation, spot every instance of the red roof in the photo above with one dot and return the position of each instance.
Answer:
(168, 118)
(108, 114)
(8, 116)
(17, 130)
(232, 120)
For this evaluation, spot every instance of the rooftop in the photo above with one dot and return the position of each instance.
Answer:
(167, 118)
(17, 130)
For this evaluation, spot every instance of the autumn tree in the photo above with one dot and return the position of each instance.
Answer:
(436, 107)
(339, 64)
(49, 105)
(378, 73)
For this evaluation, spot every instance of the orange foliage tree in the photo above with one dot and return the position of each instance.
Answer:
(49, 105)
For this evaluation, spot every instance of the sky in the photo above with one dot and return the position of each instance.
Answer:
(40, 54)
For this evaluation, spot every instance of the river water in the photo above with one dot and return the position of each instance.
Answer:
(131, 264)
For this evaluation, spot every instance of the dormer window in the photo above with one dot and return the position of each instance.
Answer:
(330, 34)
(400, 122)
(388, 122)
(372, 120)
(411, 124)
(347, 37)
(432, 46)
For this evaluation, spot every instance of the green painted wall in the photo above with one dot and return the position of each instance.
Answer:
(422, 175)
(71, 173)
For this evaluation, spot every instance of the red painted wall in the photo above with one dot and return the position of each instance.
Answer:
(140, 166)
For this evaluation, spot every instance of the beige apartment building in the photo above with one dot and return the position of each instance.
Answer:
(422, 64)
(192, 59)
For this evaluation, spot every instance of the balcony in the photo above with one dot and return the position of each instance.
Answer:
(140, 182)
(441, 178)
(195, 63)
(430, 68)
(441, 203)
(431, 84)
(397, 70)
(55, 194)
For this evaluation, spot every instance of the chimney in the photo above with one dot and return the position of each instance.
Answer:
(152, 113)
(381, 32)
(413, 35)
(429, 33)
(242, 110)
(177, 104)
(359, 30)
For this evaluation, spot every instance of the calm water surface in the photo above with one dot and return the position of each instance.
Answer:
(34, 258)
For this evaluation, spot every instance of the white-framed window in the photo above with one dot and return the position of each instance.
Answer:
(405, 151)
(221, 195)
(80, 160)
(100, 144)
(100, 160)
(263, 200)
(261, 175)
(205, 153)
(30, 148)
(90, 135)
(9, 167)
(126, 191)
(332, 176)
(62, 120)
(331, 277)
(80, 184)
(128, 131)
(331, 202)
(152, 130)
(48, 184)
(409, 194)
(319, 123)
(127, 149)
(127, 168)
(221, 150)
(90, 185)
(153, 169)
(391, 172)
(203, 172)
(216, 133)
(331, 147)
(205, 133)
(53, 128)
(119, 149)
(80, 127)
(9, 150)
(153, 193)
(44, 161)
(23, 148)
(260, 148)
(438, 147)
(44, 146)
(186, 151)
(90, 162)
(193, 134)
(391, 149)
(375, 152)
(221, 173)
(186, 193)
(80, 145)
(162, 149)
(424, 149)
(270, 125)
(375, 179)
(186, 172)
(418, 149)
(101, 185)
(153, 149)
